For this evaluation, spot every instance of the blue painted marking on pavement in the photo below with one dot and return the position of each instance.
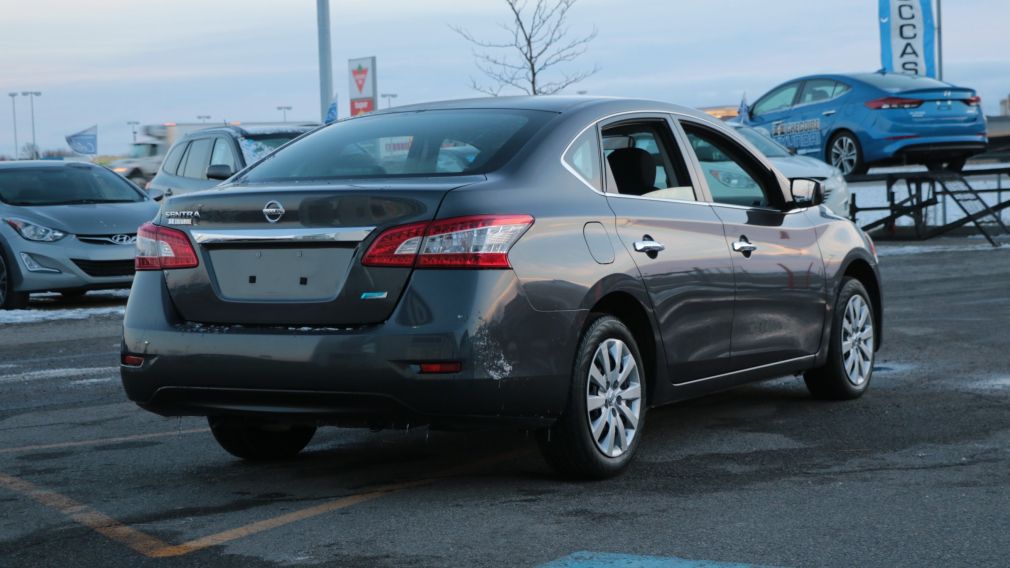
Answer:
(610, 560)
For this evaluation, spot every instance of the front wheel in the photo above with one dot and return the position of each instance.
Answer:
(845, 153)
(849, 368)
(9, 299)
(598, 433)
(260, 441)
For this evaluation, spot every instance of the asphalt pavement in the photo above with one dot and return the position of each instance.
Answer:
(915, 473)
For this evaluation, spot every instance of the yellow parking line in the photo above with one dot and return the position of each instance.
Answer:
(98, 441)
(154, 548)
(85, 515)
(267, 524)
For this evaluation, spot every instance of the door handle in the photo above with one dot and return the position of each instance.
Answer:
(744, 246)
(648, 246)
(829, 112)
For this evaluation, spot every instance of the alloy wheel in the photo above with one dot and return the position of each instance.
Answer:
(857, 341)
(844, 154)
(613, 397)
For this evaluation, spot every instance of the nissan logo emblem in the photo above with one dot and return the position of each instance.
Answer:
(273, 211)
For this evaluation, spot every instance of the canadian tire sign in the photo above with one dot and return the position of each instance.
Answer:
(362, 85)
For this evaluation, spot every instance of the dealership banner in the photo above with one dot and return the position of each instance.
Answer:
(908, 37)
(362, 85)
(85, 141)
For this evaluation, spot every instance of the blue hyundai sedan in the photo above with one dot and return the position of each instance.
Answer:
(860, 120)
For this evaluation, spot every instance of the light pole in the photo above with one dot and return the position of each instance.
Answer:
(939, 40)
(133, 124)
(389, 97)
(31, 102)
(203, 117)
(14, 111)
(284, 112)
(325, 57)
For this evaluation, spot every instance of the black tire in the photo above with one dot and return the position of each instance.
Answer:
(9, 299)
(956, 165)
(73, 294)
(832, 382)
(858, 167)
(260, 441)
(568, 445)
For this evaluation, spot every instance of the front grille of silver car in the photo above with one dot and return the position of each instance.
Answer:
(118, 239)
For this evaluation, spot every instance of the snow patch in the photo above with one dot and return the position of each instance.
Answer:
(887, 250)
(35, 316)
(57, 374)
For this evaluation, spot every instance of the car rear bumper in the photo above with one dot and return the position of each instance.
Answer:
(926, 149)
(515, 361)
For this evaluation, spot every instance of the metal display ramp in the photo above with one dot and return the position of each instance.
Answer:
(911, 194)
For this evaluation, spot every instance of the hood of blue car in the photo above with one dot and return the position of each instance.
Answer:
(88, 219)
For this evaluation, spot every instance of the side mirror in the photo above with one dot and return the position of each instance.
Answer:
(156, 194)
(806, 192)
(220, 172)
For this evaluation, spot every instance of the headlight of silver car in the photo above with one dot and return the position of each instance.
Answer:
(34, 232)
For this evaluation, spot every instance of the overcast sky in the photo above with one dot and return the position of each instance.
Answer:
(111, 61)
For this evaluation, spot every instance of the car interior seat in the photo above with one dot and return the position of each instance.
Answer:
(634, 170)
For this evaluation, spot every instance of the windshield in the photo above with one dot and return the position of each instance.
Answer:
(143, 150)
(67, 185)
(768, 147)
(438, 142)
(255, 147)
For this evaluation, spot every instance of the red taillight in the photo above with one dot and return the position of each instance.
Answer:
(131, 360)
(444, 367)
(476, 241)
(161, 248)
(893, 102)
(973, 101)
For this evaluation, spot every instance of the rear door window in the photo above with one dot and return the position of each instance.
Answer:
(197, 159)
(642, 160)
(817, 91)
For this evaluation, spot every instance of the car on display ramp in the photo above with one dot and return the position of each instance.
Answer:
(569, 268)
(859, 120)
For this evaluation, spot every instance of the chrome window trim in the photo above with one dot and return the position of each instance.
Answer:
(316, 235)
(605, 194)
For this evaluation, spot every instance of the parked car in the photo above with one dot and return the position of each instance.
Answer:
(542, 286)
(836, 190)
(859, 120)
(204, 158)
(66, 227)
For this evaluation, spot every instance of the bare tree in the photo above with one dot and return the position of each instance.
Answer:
(540, 42)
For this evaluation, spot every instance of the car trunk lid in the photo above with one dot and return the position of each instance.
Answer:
(291, 256)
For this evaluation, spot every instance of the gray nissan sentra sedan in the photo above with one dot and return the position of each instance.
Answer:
(67, 227)
(565, 269)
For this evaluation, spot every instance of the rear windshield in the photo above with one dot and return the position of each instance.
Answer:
(437, 142)
(768, 147)
(68, 185)
(895, 82)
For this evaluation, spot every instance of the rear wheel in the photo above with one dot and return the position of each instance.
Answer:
(598, 433)
(845, 153)
(259, 440)
(73, 294)
(849, 368)
(9, 299)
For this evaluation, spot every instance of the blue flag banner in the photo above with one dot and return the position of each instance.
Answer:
(908, 37)
(331, 111)
(85, 141)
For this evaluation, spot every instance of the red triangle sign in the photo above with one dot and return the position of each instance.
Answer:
(360, 74)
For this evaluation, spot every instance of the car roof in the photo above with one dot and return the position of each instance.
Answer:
(550, 103)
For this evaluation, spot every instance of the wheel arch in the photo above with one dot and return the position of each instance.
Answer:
(634, 314)
(863, 271)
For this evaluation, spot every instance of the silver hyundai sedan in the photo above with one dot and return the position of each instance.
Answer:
(66, 227)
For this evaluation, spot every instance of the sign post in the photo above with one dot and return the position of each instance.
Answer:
(362, 85)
